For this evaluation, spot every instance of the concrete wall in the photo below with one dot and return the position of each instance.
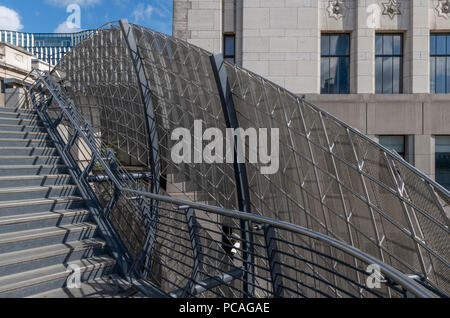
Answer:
(14, 57)
(199, 21)
(281, 38)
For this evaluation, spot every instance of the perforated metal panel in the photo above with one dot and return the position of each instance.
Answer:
(331, 179)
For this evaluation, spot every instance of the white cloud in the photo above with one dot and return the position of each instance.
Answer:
(81, 3)
(67, 27)
(9, 19)
(142, 13)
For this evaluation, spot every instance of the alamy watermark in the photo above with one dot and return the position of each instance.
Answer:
(74, 279)
(189, 149)
(375, 278)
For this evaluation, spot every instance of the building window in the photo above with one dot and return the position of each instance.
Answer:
(442, 163)
(229, 48)
(440, 63)
(389, 63)
(335, 64)
(394, 143)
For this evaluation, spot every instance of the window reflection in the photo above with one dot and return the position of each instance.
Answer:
(442, 160)
(229, 43)
(395, 143)
(388, 63)
(335, 64)
(440, 63)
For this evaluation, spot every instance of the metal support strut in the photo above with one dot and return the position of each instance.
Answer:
(226, 98)
(144, 89)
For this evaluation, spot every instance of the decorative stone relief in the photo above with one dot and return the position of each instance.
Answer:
(443, 8)
(391, 8)
(336, 9)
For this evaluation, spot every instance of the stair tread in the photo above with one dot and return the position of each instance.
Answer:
(26, 140)
(99, 288)
(25, 218)
(19, 118)
(48, 251)
(27, 157)
(36, 188)
(23, 126)
(32, 177)
(7, 113)
(26, 148)
(44, 232)
(12, 167)
(15, 203)
(38, 276)
(9, 132)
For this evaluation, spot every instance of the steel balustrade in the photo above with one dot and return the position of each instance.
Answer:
(339, 202)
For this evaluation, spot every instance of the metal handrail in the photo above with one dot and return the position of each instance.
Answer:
(389, 272)
(84, 130)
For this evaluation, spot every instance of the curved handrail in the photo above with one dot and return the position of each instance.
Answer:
(394, 275)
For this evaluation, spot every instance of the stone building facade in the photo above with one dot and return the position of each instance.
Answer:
(390, 80)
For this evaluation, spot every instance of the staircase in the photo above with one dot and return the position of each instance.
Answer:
(45, 225)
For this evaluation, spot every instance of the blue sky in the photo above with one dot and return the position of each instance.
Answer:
(51, 15)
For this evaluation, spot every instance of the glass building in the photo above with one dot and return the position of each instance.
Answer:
(49, 47)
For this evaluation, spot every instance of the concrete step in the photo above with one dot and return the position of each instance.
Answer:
(111, 286)
(20, 115)
(17, 110)
(30, 221)
(25, 170)
(30, 160)
(52, 277)
(29, 259)
(4, 134)
(20, 207)
(28, 151)
(20, 121)
(16, 241)
(17, 142)
(30, 193)
(24, 128)
(40, 180)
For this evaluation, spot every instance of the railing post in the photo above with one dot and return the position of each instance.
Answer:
(196, 250)
(229, 111)
(274, 261)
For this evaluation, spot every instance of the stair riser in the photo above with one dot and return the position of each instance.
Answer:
(18, 115)
(32, 171)
(39, 242)
(42, 208)
(25, 143)
(23, 128)
(52, 260)
(26, 135)
(20, 121)
(59, 283)
(30, 161)
(45, 223)
(44, 151)
(36, 182)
